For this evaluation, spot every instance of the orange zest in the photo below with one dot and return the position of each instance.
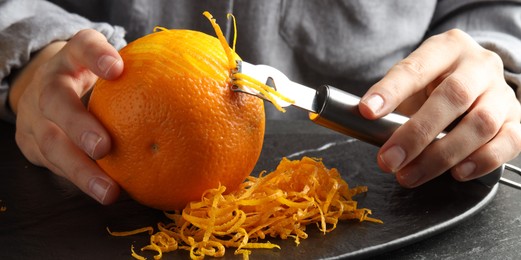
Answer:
(229, 52)
(149, 230)
(135, 255)
(230, 16)
(241, 80)
(279, 205)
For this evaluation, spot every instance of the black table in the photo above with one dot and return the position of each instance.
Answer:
(47, 218)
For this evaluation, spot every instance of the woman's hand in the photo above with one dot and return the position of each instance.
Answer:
(449, 78)
(53, 127)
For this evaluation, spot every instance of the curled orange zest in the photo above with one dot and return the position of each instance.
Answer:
(150, 231)
(135, 255)
(279, 204)
(242, 80)
(222, 39)
(230, 16)
(239, 79)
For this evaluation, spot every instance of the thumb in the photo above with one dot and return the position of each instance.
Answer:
(89, 50)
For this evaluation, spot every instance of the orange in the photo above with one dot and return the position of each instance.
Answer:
(177, 128)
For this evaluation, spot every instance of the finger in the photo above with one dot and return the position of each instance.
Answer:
(447, 102)
(453, 97)
(59, 98)
(59, 103)
(30, 149)
(477, 128)
(433, 58)
(88, 173)
(65, 159)
(89, 49)
(504, 147)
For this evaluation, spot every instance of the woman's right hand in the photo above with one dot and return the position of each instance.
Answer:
(53, 127)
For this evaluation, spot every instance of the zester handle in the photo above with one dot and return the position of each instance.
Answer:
(338, 110)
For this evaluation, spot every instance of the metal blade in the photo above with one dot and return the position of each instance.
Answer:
(303, 96)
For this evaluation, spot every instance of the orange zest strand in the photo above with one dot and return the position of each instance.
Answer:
(239, 79)
(279, 205)
(150, 231)
(159, 28)
(242, 80)
(135, 255)
(230, 16)
(222, 39)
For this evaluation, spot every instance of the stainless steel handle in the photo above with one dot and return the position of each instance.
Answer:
(338, 110)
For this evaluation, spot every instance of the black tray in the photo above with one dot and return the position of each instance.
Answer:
(47, 218)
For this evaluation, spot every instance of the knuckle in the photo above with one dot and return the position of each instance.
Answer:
(412, 67)
(26, 146)
(447, 159)
(48, 102)
(455, 34)
(450, 37)
(494, 156)
(22, 141)
(514, 132)
(49, 139)
(84, 35)
(44, 101)
(82, 40)
(420, 131)
(490, 62)
(74, 170)
(487, 122)
(445, 155)
(492, 58)
(457, 92)
(83, 45)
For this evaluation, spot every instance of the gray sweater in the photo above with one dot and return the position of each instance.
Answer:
(349, 44)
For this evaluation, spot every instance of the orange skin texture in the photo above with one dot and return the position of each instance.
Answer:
(177, 128)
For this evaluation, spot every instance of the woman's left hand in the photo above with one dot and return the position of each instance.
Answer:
(450, 80)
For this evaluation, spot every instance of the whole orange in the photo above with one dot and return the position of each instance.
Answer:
(177, 128)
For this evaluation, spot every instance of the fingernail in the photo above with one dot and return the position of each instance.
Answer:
(375, 102)
(106, 62)
(90, 141)
(393, 157)
(466, 169)
(99, 188)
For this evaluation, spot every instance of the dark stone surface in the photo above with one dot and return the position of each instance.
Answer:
(47, 218)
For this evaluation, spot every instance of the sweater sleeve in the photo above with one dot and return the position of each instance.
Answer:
(27, 26)
(495, 25)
